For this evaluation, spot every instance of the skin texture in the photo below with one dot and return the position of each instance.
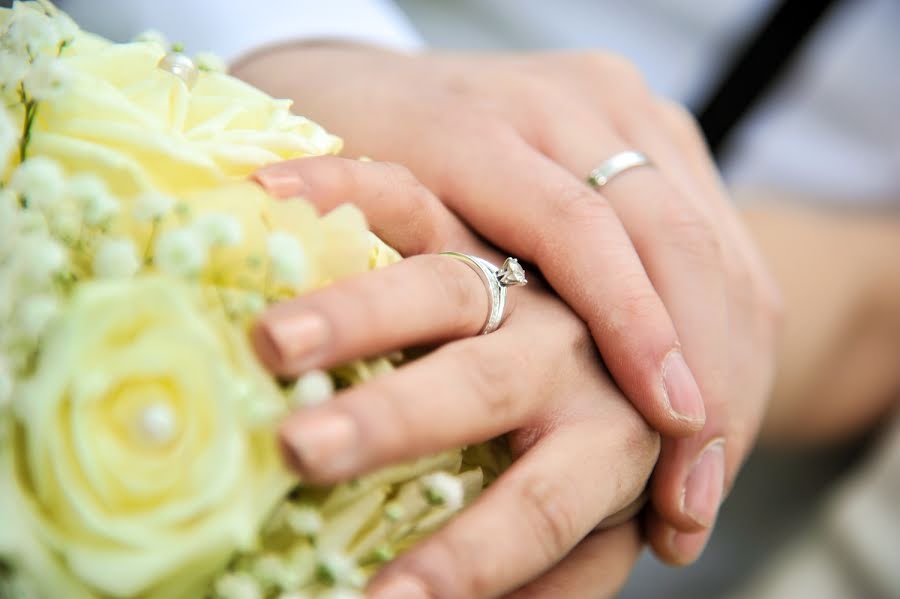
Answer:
(512, 540)
(540, 510)
(658, 265)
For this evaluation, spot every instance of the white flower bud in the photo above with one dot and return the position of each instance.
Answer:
(153, 36)
(444, 489)
(116, 259)
(66, 29)
(41, 258)
(152, 206)
(337, 568)
(342, 594)
(238, 586)
(36, 313)
(40, 180)
(303, 520)
(207, 61)
(180, 252)
(218, 229)
(12, 69)
(91, 195)
(46, 78)
(30, 31)
(289, 262)
(312, 388)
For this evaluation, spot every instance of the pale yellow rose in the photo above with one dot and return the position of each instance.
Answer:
(142, 128)
(142, 456)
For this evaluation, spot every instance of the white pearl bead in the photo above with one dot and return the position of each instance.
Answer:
(181, 66)
(157, 423)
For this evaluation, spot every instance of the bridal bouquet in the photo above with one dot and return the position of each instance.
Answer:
(137, 447)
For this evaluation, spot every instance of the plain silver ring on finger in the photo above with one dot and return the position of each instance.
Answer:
(616, 165)
(496, 280)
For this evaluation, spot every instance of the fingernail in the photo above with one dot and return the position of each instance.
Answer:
(321, 442)
(293, 340)
(681, 389)
(400, 587)
(704, 485)
(687, 547)
(279, 181)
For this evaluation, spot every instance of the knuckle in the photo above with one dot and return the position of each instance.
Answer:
(616, 67)
(679, 119)
(462, 293)
(549, 511)
(638, 305)
(693, 232)
(488, 377)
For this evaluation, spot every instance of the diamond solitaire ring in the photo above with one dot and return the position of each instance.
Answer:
(615, 165)
(511, 274)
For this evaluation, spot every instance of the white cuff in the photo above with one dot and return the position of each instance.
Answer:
(235, 28)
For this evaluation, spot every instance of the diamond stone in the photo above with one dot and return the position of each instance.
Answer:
(512, 274)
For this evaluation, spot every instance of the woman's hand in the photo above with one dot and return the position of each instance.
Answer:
(656, 263)
(583, 452)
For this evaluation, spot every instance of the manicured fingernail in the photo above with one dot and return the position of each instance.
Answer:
(681, 389)
(704, 485)
(323, 442)
(279, 181)
(294, 339)
(400, 587)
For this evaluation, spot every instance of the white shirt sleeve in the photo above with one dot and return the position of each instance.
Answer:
(234, 28)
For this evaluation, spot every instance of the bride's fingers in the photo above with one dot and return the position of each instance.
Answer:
(534, 514)
(596, 569)
(399, 208)
(421, 300)
(462, 393)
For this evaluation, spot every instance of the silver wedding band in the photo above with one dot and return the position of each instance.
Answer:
(616, 165)
(496, 280)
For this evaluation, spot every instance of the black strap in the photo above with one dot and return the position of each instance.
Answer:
(757, 66)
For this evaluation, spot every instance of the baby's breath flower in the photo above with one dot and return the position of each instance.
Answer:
(9, 136)
(66, 29)
(46, 78)
(152, 36)
(115, 259)
(30, 31)
(312, 388)
(238, 586)
(207, 61)
(444, 489)
(289, 262)
(335, 568)
(40, 180)
(153, 206)
(91, 195)
(342, 594)
(180, 252)
(36, 313)
(218, 229)
(42, 258)
(13, 67)
(303, 520)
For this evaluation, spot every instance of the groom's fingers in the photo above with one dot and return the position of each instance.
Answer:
(464, 392)
(534, 514)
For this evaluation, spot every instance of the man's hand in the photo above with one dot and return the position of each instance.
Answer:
(656, 262)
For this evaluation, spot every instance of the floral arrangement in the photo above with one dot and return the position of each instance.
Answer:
(137, 453)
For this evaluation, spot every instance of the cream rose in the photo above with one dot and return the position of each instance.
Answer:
(142, 455)
(140, 127)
